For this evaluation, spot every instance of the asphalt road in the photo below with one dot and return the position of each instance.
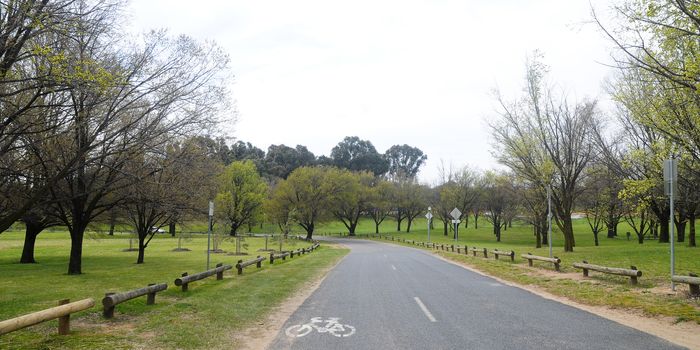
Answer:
(383, 296)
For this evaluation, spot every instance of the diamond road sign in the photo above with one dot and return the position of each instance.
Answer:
(456, 214)
(428, 216)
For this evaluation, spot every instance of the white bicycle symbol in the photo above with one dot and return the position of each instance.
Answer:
(331, 326)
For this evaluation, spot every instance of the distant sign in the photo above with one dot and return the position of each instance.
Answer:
(211, 208)
(670, 176)
(429, 216)
(456, 214)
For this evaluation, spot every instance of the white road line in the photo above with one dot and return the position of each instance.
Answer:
(393, 267)
(425, 309)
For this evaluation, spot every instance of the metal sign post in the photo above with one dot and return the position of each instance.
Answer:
(456, 214)
(211, 217)
(670, 179)
(549, 219)
(429, 216)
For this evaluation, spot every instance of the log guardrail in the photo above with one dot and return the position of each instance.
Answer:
(112, 299)
(278, 256)
(61, 312)
(632, 272)
(243, 264)
(186, 279)
(497, 253)
(692, 280)
(474, 250)
(556, 261)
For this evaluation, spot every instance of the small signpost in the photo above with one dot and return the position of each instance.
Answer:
(456, 214)
(429, 216)
(670, 187)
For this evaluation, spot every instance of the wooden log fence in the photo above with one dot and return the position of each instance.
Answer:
(61, 312)
(278, 256)
(632, 272)
(474, 250)
(186, 279)
(556, 261)
(692, 280)
(243, 264)
(112, 299)
(497, 253)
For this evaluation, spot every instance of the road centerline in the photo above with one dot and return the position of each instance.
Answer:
(425, 309)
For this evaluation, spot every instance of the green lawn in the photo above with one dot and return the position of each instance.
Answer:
(204, 317)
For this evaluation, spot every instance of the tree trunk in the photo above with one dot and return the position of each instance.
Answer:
(408, 226)
(680, 232)
(171, 228)
(32, 230)
(445, 227)
(76, 251)
(398, 223)
(112, 222)
(466, 220)
(476, 221)
(233, 230)
(595, 237)
(691, 234)
(142, 249)
(376, 227)
(309, 231)
(568, 231)
(497, 230)
(351, 229)
(538, 237)
(663, 229)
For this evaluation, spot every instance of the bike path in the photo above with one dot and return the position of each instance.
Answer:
(403, 298)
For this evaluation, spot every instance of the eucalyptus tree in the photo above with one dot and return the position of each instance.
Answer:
(498, 201)
(356, 154)
(548, 141)
(404, 161)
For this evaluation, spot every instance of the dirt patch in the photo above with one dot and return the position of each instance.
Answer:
(681, 333)
(260, 336)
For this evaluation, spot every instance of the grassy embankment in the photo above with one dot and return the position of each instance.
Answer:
(651, 297)
(209, 315)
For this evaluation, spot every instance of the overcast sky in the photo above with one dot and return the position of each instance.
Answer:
(392, 72)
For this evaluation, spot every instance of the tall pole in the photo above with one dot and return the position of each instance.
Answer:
(549, 218)
(672, 223)
(211, 216)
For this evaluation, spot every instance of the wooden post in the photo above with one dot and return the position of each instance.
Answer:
(633, 279)
(585, 271)
(486, 254)
(239, 267)
(184, 285)
(64, 321)
(474, 251)
(512, 256)
(151, 297)
(458, 250)
(291, 253)
(220, 274)
(272, 258)
(556, 264)
(453, 247)
(529, 261)
(108, 311)
(496, 255)
(259, 264)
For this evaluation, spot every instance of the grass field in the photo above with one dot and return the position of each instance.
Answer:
(207, 316)
(652, 296)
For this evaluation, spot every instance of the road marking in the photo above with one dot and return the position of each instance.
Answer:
(425, 309)
(495, 284)
(393, 267)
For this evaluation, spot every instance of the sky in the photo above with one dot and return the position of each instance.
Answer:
(421, 73)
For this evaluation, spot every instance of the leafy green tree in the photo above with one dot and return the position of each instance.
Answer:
(404, 161)
(281, 160)
(308, 194)
(354, 200)
(381, 201)
(358, 155)
(241, 195)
